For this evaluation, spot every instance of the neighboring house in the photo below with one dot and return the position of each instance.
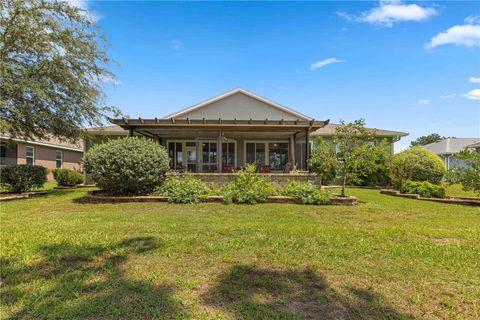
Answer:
(49, 153)
(239, 126)
(448, 147)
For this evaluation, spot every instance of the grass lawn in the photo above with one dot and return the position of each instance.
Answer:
(387, 258)
(456, 191)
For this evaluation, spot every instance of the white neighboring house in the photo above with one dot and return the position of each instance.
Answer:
(448, 147)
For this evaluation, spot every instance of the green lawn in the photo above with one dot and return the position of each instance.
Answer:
(387, 258)
(456, 191)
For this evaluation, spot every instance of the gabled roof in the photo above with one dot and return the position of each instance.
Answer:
(330, 129)
(51, 141)
(451, 145)
(245, 92)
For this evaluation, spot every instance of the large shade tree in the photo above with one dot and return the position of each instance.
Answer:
(52, 65)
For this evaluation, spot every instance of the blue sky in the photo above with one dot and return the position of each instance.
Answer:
(412, 66)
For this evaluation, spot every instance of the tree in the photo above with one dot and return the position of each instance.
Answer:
(349, 137)
(468, 174)
(323, 160)
(52, 64)
(423, 140)
(370, 165)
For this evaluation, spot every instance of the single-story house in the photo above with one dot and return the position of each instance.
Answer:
(230, 131)
(447, 148)
(50, 153)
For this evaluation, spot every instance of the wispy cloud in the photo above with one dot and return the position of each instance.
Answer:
(390, 12)
(177, 45)
(474, 80)
(472, 95)
(423, 101)
(323, 63)
(463, 35)
(83, 5)
(448, 96)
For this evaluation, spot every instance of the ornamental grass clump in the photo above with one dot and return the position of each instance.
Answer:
(304, 193)
(127, 166)
(183, 189)
(248, 187)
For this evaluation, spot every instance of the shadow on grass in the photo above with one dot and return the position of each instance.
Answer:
(248, 292)
(76, 282)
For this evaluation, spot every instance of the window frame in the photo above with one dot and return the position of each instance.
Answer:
(30, 157)
(56, 159)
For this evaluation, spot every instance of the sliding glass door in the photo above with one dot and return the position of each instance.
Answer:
(272, 154)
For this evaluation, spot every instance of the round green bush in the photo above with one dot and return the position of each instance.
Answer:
(416, 164)
(67, 177)
(183, 189)
(304, 193)
(424, 189)
(127, 166)
(248, 187)
(22, 177)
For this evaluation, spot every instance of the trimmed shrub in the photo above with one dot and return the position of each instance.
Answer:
(247, 187)
(67, 177)
(424, 189)
(183, 189)
(416, 164)
(304, 193)
(127, 166)
(22, 177)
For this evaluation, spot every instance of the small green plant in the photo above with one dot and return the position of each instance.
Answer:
(22, 177)
(424, 189)
(183, 189)
(248, 187)
(304, 193)
(67, 177)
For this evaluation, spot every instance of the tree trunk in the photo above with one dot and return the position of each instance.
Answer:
(343, 184)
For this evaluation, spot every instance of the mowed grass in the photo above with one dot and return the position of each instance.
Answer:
(387, 258)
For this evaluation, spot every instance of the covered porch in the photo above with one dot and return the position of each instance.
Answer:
(223, 146)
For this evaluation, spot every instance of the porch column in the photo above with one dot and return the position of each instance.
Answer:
(307, 149)
(292, 151)
(219, 152)
(197, 150)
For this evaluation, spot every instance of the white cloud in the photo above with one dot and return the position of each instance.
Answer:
(177, 45)
(423, 101)
(473, 19)
(83, 5)
(390, 12)
(472, 95)
(474, 80)
(462, 35)
(321, 64)
(448, 96)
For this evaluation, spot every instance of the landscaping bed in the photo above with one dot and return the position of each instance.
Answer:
(18, 196)
(450, 200)
(100, 196)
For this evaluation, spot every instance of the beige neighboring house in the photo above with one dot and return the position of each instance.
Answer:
(230, 131)
(448, 147)
(49, 153)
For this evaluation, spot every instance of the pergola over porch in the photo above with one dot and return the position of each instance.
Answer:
(221, 130)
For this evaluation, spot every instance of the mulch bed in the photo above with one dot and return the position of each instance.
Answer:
(18, 196)
(75, 187)
(450, 200)
(98, 196)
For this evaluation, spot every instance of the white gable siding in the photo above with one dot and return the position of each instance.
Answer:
(239, 106)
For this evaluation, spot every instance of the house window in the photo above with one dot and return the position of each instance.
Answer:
(209, 156)
(59, 159)
(256, 153)
(277, 155)
(3, 154)
(30, 155)
(175, 152)
(228, 153)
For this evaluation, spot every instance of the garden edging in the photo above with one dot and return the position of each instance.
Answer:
(25, 195)
(98, 196)
(450, 200)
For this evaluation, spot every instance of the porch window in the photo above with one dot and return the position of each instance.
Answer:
(209, 156)
(277, 155)
(175, 153)
(30, 155)
(255, 153)
(58, 159)
(228, 153)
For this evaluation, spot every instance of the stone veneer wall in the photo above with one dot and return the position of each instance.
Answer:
(220, 179)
